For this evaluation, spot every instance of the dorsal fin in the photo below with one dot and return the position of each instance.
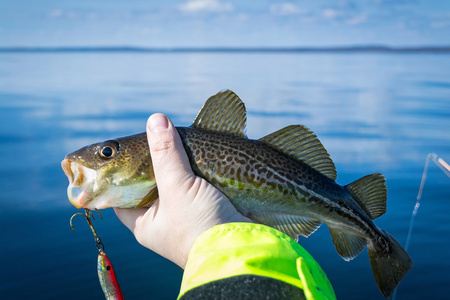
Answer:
(289, 224)
(224, 113)
(371, 192)
(301, 143)
(348, 245)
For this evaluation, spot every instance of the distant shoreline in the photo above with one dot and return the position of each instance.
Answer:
(129, 49)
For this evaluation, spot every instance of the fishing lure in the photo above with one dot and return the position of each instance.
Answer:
(105, 270)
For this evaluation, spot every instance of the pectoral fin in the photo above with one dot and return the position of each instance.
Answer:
(149, 198)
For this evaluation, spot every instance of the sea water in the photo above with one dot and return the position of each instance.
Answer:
(373, 112)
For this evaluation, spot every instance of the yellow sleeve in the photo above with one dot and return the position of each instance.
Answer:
(235, 249)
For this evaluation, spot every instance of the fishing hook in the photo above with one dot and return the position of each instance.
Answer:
(88, 214)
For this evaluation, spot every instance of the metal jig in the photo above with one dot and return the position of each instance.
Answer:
(105, 270)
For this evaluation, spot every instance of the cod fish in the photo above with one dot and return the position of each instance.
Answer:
(285, 180)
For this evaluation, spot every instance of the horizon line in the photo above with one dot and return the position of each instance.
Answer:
(305, 49)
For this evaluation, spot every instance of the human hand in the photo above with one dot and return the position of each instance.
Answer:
(187, 205)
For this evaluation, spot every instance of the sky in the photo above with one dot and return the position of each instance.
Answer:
(224, 23)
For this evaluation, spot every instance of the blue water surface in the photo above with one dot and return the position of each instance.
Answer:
(373, 112)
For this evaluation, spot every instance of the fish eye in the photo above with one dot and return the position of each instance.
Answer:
(109, 149)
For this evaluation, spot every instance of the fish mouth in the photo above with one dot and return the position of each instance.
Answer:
(81, 181)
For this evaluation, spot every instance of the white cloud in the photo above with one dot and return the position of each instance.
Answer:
(442, 23)
(55, 13)
(243, 17)
(72, 15)
(286, 8)
(194, 6)
(331, 13)
(357, 20)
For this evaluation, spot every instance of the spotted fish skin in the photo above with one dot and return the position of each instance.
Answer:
(254, 176)
(285, 180)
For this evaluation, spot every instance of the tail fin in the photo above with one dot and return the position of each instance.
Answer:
(389, 268)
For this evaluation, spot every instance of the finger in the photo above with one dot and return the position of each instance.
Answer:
(170, 162)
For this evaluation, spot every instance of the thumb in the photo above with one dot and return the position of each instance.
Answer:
(169, 159)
